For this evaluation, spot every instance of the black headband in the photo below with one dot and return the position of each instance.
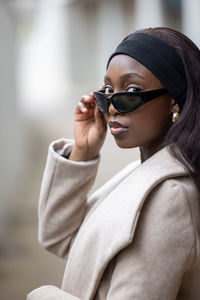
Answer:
(160, 58)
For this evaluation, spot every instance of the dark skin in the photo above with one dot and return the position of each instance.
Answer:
(145, 127)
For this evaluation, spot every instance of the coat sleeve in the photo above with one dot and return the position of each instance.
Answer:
(50, 292)
(64, 201)
(63, 195)
(163, 248)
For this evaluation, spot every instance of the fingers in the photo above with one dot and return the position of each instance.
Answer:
(87, 102)
(101, 88)
(81, 108)
(88, 99)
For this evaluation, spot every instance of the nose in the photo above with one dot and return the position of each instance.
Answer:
(112, 110)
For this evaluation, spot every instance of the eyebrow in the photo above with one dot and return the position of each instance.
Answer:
(125, 76)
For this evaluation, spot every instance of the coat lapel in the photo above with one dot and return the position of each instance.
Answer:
(111, 226)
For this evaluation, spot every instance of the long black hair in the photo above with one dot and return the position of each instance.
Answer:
(183, 137)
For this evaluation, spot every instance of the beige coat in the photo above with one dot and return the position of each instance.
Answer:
(136, 238)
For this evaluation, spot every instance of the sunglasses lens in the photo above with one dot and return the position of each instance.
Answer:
(101, 101)
(122, 103)
(126, 103)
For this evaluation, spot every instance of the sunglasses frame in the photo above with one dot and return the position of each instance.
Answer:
(144, 98)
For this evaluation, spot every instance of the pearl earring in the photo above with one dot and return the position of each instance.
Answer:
(175, 117)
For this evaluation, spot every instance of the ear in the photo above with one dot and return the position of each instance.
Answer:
(174, 106)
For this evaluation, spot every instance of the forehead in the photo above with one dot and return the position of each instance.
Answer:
(122, 64)
(125, 61)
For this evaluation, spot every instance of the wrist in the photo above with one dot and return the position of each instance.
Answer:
(82, 155)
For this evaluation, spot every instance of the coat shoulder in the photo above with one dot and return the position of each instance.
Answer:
(180, 190)
(163, 247)
(173, 208)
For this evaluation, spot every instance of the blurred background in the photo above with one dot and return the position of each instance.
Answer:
(51, 53)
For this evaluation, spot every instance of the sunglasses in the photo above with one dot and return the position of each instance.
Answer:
(125, 102)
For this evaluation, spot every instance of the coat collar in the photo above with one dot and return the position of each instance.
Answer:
(99, 238)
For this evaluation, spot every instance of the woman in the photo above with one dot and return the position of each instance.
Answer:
(137, 237)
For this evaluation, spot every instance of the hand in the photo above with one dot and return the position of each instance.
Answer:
(89, 130)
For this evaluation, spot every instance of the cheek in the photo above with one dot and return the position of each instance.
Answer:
(154, 127)
(148, 125)
(153, 122)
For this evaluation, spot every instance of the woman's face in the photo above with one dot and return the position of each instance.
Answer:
(146, 125)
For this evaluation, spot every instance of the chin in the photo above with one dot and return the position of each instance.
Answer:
(126, 144)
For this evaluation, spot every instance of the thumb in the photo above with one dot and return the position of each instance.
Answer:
(100, 118)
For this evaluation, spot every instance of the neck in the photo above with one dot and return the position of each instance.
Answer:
(147, 151)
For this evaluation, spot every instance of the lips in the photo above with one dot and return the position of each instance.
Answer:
(117, 128)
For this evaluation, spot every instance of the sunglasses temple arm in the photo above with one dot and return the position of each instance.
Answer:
(150, 95)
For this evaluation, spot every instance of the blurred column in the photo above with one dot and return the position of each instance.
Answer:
(148, 13)
(43, 64)
(81, 21)
(113, 25)
(191, 19)
(11, 134)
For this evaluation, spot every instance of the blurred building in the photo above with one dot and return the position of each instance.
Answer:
(52, 52)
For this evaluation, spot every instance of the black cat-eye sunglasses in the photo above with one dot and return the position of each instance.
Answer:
(125, 102)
